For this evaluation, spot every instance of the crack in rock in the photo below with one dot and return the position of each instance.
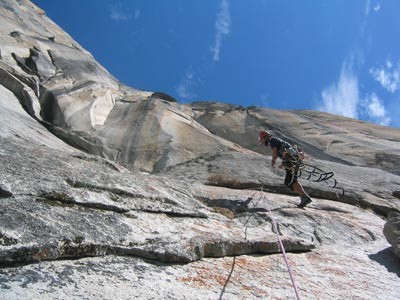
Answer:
(197, 249)
(70, 201)
(97, 159)
(65, 199)
(4, 193)
(171, 207)
(222, 248)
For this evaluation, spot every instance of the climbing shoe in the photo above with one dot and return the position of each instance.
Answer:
(305, 199)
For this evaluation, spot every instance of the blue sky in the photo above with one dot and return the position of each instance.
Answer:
(337, 56)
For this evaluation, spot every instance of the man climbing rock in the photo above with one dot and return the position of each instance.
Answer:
(291, 160)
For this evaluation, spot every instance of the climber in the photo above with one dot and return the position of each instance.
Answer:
(291, 160)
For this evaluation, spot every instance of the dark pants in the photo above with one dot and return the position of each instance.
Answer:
(290, 178)
(292, 169)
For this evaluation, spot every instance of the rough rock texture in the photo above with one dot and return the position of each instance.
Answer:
(244, 277)
(392, 231)
(176, 201)
(321, 135)
(78, 205)
(130, 230)
(61, 84)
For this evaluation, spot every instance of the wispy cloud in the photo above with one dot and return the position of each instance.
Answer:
(264, 100)
(186, 86)
(137, 14)
(343, 98)
(375, 110)
(367, 7)
(376, 8)
(367, 11)
(120, 13)
(223, 27)
(388, 76)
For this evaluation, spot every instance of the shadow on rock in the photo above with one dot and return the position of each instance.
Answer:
(387, 259)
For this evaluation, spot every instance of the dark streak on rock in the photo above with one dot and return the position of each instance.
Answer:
(4, 193)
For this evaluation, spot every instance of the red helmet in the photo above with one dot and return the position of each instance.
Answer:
(263, 135)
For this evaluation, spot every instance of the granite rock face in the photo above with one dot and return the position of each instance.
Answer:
(76, 225)
(108, 192)
(321, 135)
(61, 84)
(392, 231)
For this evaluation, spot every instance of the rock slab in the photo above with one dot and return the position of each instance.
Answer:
(392, 231)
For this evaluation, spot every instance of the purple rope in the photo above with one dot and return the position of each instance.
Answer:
(296, 290)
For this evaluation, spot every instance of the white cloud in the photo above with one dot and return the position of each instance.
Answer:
(342, 98)
(119, 13)
(137, 14)
(367, 7)
(376, 8)
(388, 76)
(375, 110)
(264, 100)
(186, 86)
(222, 24)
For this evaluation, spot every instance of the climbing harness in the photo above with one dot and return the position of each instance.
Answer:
(292, 160)
(295, 164)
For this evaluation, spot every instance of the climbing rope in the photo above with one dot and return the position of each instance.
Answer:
(275, 226)
(312, 173)
(296, 290)
(316, 174)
